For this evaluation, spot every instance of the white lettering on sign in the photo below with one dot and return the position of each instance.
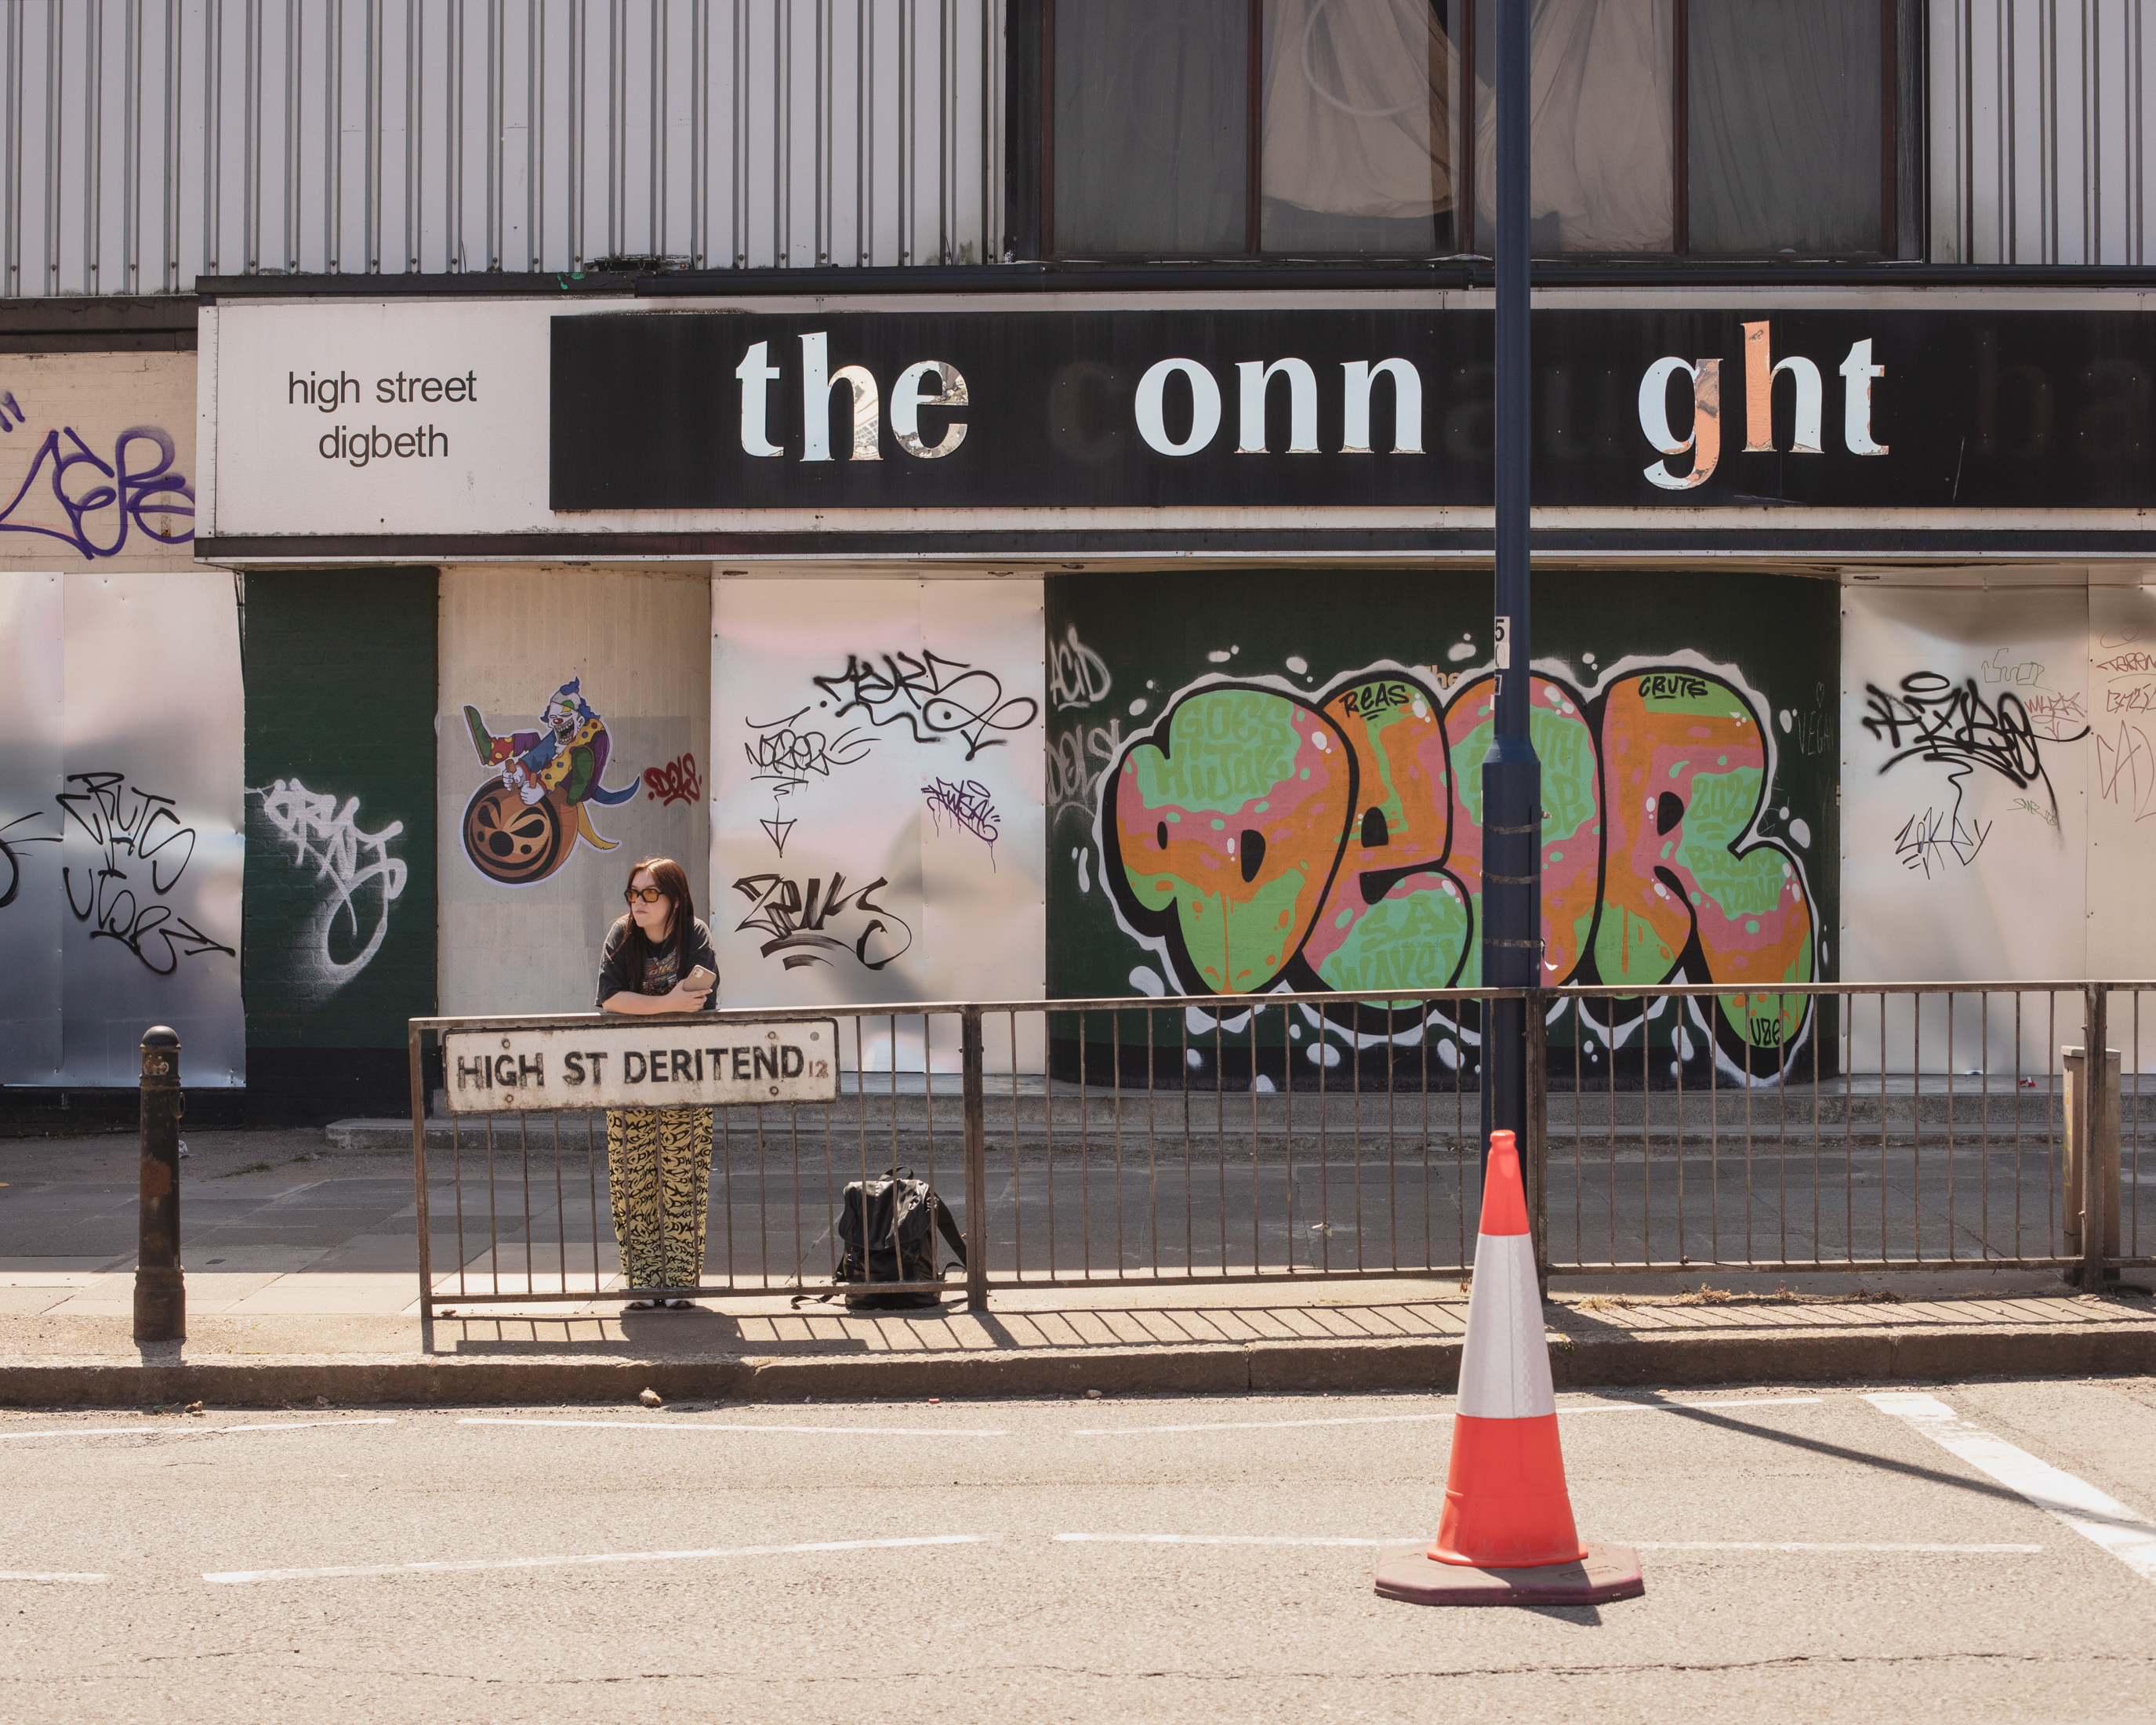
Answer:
(1761, 369)
(644, 1065)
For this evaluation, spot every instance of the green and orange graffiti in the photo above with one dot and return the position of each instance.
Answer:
(1258, 836)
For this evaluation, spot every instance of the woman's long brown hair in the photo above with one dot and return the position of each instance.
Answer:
(669, 877)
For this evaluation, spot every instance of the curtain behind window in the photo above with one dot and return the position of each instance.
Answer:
(1601, 81)
(1356, 146)
(1151, 141)
(1785, 127)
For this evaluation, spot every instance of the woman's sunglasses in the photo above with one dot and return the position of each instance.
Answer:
(650, 895)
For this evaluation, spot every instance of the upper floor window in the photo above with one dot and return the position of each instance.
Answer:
(1723, 128)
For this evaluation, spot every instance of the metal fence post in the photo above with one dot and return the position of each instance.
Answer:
(977, 1171)
(161, 1295)
(2092, 1158)
(424, 1225)
(1534, 1164)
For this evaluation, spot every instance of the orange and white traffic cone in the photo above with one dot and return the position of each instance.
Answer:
(1506, 1534)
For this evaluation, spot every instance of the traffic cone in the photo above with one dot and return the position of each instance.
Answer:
(1507, 1533)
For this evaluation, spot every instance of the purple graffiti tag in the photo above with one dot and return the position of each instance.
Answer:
(101, 499)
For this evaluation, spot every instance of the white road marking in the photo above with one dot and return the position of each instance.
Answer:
(1777, 1401)
(45, 1575)
(1792, 1545)
(192, 1430)
(1812, 1545)
(1222, 1539)
(613, 1556)
(2088, 1512)
(722, 1425)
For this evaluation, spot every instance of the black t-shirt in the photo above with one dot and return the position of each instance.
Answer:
(661, 972)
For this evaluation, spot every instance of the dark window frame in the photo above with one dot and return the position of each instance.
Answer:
(1030, 179)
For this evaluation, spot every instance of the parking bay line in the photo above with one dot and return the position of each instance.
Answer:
(2097, 1517)
(1778, 1401)
(724, 1425)
(195, 1430)
(45, 1575)
(465, 1565)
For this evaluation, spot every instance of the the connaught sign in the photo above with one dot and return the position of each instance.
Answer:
(652, 424)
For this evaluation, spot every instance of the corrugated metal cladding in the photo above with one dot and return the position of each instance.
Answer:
(2039, 134)
(150, 141)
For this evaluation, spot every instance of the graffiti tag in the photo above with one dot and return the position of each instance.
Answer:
(968, 806)
(677, 782)
(352, 862)
(148, 834)
(11, 853)
(1076, 760)
(933, 696)
(1937, 837)
(2126, 770)
(100, 500)
(1933, 718)
(800, 922)
(787, 758)
(1077, 675)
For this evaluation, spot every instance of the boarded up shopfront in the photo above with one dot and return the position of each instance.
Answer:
(574, 706)
(120, 792)
(1275, 784)
(955, 641)
(340, 884)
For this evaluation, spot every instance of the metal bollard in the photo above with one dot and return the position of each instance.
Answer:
(161, 1295)
(2090, 1218)
(977, 1178)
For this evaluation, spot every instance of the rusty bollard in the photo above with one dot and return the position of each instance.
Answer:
(161, 1295)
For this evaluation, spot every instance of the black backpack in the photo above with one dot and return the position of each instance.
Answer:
(887, 1230)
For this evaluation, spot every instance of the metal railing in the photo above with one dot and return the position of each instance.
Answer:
(1253, 1138)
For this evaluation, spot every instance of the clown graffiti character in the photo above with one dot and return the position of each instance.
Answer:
(521, 825)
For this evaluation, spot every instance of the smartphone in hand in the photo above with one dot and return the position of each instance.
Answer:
(699, 980)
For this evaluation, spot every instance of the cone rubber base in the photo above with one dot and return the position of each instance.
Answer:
(1607, 1572)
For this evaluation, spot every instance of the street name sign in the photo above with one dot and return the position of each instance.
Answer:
(674, 1065)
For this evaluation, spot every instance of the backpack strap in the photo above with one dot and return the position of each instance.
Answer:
(947, 1224)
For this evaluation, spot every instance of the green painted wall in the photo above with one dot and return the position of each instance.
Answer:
(340, 670)
(1290, 761)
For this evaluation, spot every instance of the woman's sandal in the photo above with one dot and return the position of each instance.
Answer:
(644, 1305)
(677, 1305)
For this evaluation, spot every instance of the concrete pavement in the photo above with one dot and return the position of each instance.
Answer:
(302, 1281)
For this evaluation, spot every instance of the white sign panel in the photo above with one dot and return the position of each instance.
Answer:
(1965, 733)
(674, 1063)
(878, 830)
(347, 419)
(120, 825)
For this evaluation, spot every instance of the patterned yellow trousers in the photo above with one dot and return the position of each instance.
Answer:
(659, 1172)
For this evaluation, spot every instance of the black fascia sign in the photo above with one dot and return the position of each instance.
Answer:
(1189, 409)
